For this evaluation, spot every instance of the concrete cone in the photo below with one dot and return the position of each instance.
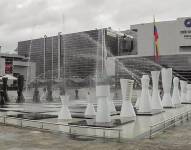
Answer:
(127, 109)
(90, 111)
(64, 112)
(176, 92)
(103, 111)
(167, 83)
(145, 103)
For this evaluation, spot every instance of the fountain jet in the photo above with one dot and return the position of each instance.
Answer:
(156, 100)
(183, 85)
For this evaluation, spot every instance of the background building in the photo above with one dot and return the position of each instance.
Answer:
(79, 56)
(174, 48)
(174, 37)
(17, 65)
(74, 55)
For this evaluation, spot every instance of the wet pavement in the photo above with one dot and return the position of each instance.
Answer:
(138, 128)
(11, 138)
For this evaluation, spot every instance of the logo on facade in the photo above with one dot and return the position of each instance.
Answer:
(187, 22)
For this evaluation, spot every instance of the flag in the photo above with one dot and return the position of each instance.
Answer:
(156, 43)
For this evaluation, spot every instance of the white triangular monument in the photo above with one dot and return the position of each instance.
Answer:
(156, 99)
(110, 102)
(64, 112)
(90, 111)
(127, 109)
(167, 83)
(183, 86)
(103, 111)
(176, 92)
(145, 101)
(188, 95)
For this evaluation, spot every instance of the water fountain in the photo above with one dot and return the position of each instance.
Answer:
(127, 109)
(167, 82)
(183, 85)
(20, 98)
(138, 99)
(64, 112)
(188, 95)
(110, 103)
(176, 94)
(104, 102)
(103, 110)
(90, 111)
(36, 95)
(43, 96)
(49, 97)
(156, 100)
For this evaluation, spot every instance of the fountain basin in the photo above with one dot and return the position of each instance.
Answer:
(111, 124)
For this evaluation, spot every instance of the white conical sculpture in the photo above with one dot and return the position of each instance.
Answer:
(156, 100)
(127, 109)
(90, 111)
(103, 111)
(145, 102)
(188, 95)
(183, 86)
(176, 93)
(64, 112)
(167, 83)
(110, 102)
(138, 99)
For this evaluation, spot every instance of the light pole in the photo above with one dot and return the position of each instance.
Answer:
(52, 58)
(44, 53)
(59, 53)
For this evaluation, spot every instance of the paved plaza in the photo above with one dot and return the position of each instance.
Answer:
(12, 138)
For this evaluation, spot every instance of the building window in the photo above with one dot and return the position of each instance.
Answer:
(185, 48)
(136, 30)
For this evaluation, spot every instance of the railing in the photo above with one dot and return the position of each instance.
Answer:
(71, 130)
(162, 126)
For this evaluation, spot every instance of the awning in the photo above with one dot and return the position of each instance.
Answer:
(10, 77)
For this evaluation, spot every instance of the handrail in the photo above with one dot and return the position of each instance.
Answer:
(45, 122)
(169, 119)
(180, 116)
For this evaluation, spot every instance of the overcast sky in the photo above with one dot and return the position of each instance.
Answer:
(27, 19)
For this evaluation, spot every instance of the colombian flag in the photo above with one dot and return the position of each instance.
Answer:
(156, 37)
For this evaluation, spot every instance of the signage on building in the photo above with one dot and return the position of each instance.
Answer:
(186, 34)
(8, 68)
(187, 23)
(187, 31)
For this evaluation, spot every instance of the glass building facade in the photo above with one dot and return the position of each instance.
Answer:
(75, 55)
